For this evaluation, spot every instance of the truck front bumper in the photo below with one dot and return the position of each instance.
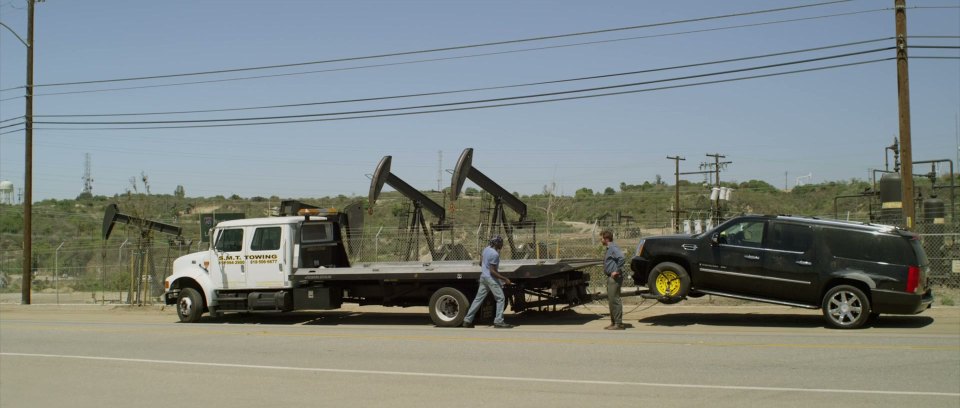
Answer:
(170, 297)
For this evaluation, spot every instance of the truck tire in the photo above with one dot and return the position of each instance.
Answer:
(669, 282)
(846, 307)
(448, 307)
(189, 305)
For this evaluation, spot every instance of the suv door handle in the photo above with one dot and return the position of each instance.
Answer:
(804, 263)
(752, 257)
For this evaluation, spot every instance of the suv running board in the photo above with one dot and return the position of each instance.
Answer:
(756, 299)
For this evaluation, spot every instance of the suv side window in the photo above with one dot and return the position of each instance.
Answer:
(790, 237)
(746, 233)
(866, 246)
(230, 240)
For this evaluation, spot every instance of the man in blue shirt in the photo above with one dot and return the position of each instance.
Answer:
(490, 281)
(612, 263)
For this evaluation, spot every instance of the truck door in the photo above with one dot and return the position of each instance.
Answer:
(790, 262)
(737, 259)
(228, 246)
(265, 266)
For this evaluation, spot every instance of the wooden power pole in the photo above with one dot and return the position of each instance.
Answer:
(903, 97)
(25, 284)
(716, 168)
(676, 198)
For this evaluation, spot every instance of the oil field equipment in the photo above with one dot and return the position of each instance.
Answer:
(417, 224)
(501, 197)
(144, 279)
(891, 201)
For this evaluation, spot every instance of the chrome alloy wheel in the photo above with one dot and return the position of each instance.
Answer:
(844, 307)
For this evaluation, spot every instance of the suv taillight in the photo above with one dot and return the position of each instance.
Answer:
(913, 279)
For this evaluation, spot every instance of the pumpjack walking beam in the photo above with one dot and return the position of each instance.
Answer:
(501, 196)
(381, 176)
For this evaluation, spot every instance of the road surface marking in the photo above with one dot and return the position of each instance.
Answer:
(490, 377)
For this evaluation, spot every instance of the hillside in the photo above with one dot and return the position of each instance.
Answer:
(632, 211)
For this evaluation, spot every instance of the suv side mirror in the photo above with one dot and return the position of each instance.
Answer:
(715, 238)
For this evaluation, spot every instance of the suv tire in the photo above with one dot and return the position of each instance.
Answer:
(846, 307)
(668, 281)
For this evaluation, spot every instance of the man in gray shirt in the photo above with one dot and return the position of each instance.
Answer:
(490, 282)
(612, 263)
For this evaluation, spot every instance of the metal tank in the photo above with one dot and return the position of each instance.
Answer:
(891, 203)
(934, 211)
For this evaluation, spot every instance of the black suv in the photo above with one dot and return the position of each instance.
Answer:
(853, 271)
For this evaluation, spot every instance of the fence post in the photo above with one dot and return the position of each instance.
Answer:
(376, 245)
(56, 270)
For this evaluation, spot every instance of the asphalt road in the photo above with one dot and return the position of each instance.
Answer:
(672, 356)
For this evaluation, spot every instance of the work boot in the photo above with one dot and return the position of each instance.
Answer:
(614, 327)
(468, 325)
(502, 326)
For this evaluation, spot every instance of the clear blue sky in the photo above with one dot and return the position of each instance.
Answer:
(831, 123)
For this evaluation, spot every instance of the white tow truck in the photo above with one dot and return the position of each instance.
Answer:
(301, 263)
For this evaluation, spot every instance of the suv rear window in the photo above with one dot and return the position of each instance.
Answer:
(868, 246)
(918, 249)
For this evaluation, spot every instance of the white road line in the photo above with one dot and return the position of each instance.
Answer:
(489, 377)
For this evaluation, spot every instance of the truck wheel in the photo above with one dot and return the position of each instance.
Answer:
(669, 282)
(189, 305)
(448, 306)
(846, 307)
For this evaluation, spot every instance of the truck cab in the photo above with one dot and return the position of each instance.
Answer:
(250, 263)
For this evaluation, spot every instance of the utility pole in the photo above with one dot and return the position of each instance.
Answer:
(716, 168)
(903, 97)
(28, 168)
(676, 198)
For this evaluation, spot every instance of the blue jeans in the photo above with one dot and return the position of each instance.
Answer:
(487, 284)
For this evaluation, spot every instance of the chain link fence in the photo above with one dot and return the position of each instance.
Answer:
(132, 271)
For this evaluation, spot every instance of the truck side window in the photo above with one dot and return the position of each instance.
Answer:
(266, 239)
(230, 240)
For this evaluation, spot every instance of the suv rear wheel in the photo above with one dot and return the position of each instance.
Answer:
(846, 307)
(669, 282)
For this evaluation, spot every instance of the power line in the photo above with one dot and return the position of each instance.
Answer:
(11, 125)
(469, 102)
(12, 131)
(450, 58)
(458, 47)
(477, 89)
(488, 106)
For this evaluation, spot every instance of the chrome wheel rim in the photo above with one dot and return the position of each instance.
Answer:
(185, 305)
(845, 307)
